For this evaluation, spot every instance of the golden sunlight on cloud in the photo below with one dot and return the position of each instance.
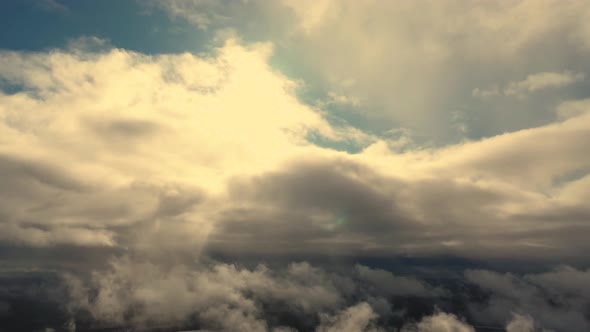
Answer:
(121, 126)
(172, 117)
(178, 146)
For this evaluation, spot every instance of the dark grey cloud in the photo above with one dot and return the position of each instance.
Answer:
(309, 202)
(386, 284)
(556, 300)
(337, 206)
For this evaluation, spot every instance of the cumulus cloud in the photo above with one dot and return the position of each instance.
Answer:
(228, 297)
(520, 323)
(98, 128)
(216, 296)
(357, 318)
(441, 322)
(223, 296)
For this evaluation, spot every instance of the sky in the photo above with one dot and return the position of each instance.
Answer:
(294, 165)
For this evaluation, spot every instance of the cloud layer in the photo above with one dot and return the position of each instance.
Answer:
(213, 191)
(190, 152)
(301, 297)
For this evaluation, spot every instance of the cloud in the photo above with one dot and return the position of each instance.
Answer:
(52, 6)
(358, 209)
(541, 81)
(134, 292)
(190, 152)
(486, 93)
(521, 323)
(356, 318)
(153, 164)
(201, 13)
(410, 67)
(572, 108)
(312, 14)
(440, 322)
(224, 296)
(387, 284)
(146, 293)
(95, 144)
(544, 297)
(532, 83)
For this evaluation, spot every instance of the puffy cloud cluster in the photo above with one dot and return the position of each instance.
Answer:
(216, 296)
(173, 154)
(440, 322)
(356, 318)
(94, 144)
(227, 297)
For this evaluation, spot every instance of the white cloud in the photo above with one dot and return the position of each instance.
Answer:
(92, 140)
(353, 319)
(440, 322)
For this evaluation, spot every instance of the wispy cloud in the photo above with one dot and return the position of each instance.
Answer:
(531, 84)
(52, 6)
